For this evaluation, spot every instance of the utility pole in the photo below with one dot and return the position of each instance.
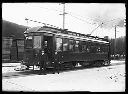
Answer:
(26, 21)
(63, 15)
(115, 43)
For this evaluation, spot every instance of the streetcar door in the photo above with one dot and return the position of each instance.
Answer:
(48, 47)
(37, 42)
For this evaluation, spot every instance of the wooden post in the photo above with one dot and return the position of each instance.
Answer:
(115, 43)
(17, 49)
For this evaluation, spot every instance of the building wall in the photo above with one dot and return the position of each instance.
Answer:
(6, 46)
(12, 49)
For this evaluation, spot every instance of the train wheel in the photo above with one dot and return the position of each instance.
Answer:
(106, 63)
(62, 66)
(27, 68)
(85, 64)
(40, 71)
(74, 64)
(82, 64)
(99, 63)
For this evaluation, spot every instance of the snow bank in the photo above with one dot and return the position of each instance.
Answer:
(101, 79)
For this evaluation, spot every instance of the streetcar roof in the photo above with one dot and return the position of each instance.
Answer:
(38, 29)
(33, 29)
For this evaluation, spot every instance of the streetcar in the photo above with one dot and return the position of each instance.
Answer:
(64, 47)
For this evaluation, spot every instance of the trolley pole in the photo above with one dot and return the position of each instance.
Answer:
(17, 50)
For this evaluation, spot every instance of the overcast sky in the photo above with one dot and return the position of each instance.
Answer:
(80, 17)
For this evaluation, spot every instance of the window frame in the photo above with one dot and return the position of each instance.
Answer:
(67, 44)
(73, 44)
(26, 43)
(61, 49)
(77, 47)
(40, 47)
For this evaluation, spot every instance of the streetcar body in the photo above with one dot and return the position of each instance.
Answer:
(65, 47)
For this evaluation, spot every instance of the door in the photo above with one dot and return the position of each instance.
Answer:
(48, 47)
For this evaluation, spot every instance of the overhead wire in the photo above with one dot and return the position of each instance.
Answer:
(80, 17)
(71, 14)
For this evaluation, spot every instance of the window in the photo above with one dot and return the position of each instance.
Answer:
(37, 42)
(77, 46)
(105, 49)
(88, 46)
(28, 43)
(65, 44)
(93, 48)
(71, 45)
(20, 42)
(58, 44)
(102, 48)
(84, 46)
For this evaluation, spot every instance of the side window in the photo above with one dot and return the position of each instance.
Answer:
(88, 47)
(102, 48)
(93, 49)
(76, 46)
(65, 44)
(84, 46)
(106, 48)
(28, 42)
(58, 44)
(37, 42)
(98, 48)
(71, 45)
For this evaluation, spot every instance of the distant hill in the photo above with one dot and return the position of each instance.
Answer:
(12, 29)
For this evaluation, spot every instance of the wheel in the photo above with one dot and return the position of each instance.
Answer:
(106, 63)
(27, 68)
(74, 64)
(85, 64)
(82, 64)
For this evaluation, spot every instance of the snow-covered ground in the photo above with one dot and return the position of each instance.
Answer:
(98, 79)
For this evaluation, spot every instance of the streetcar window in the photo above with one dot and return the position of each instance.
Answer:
(93, 49)
(77, 46)
(28, 43)
(71, 44)
(65, 44)
(37, 42)
(58, 44)
(20, 42)
(84, 46)
(88, 46)
(104, 48)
